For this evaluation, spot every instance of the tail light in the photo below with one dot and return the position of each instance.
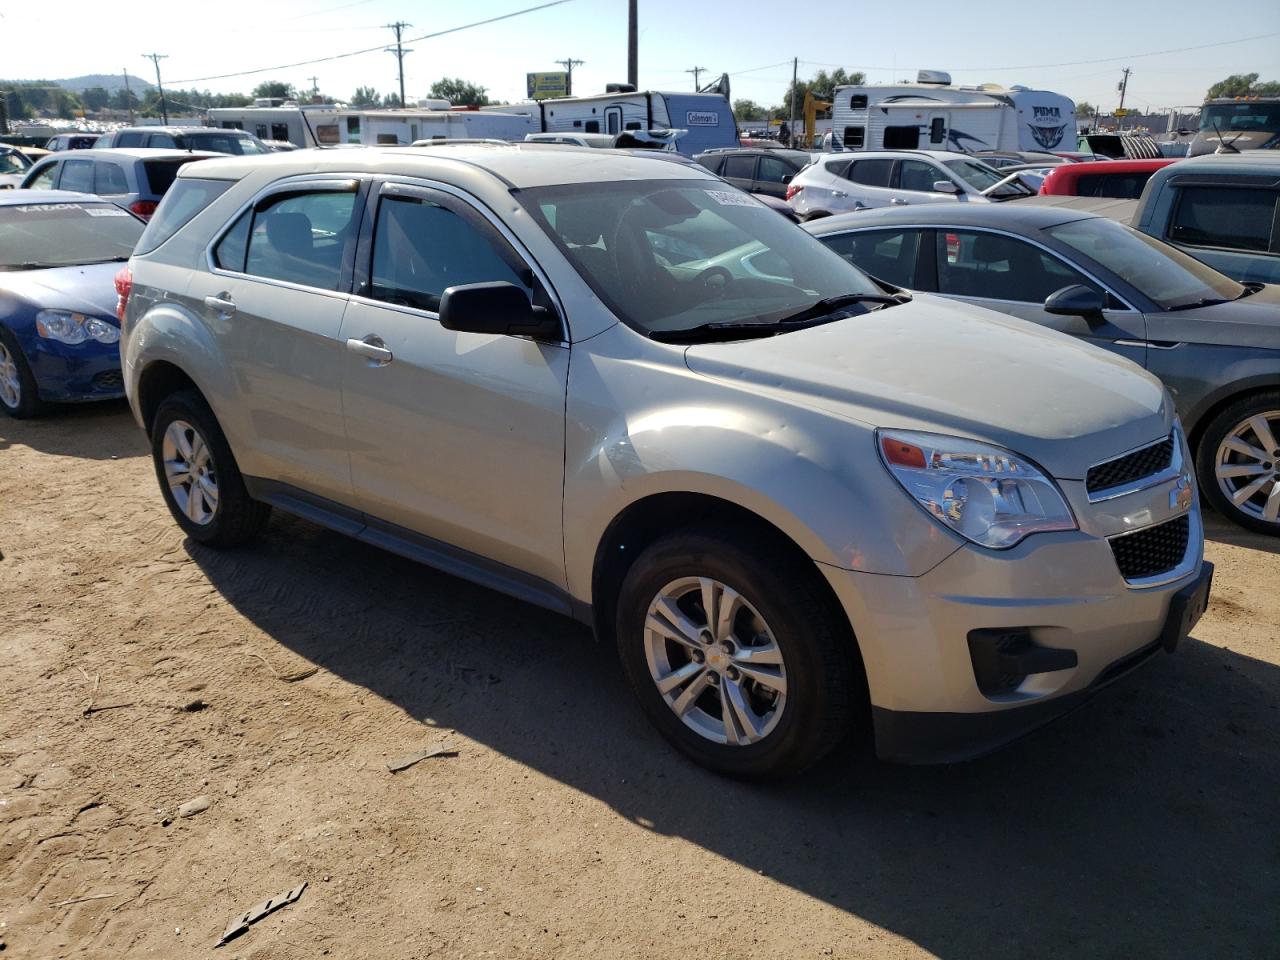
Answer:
(124, 287)
(793, 189)
(144, 208)
(953, 248)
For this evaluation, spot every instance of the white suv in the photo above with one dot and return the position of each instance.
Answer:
(844, 182)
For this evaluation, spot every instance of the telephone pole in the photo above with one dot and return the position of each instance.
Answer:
(633, 46)
(315, 87)
(568, 65)
(128, 96)
(400, 52)
(1124, 87)
(155, 58)
(795, 76)
(696, 71)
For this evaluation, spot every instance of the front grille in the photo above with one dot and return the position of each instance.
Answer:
(109, 380)
(1130, 467)
(1152, 551)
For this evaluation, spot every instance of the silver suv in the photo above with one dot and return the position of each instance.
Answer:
(799, 503)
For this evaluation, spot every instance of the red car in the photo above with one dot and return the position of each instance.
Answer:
(1123, 179)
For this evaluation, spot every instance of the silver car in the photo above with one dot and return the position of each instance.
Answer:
(622, 389)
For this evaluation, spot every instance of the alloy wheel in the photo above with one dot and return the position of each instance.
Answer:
(715, 661)
(190, 473)
(10, 384)
(1247, 466)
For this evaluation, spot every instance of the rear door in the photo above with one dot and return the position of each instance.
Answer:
(1234, 229)
(891, 255)
(1011, 275)
(740, 170)
(869, 183)
(772, 176)
(77, 176)
(273, 299)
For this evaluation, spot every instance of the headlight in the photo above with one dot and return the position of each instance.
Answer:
(986, 494)
(67, 327)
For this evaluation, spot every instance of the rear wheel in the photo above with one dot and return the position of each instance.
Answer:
(1238, 462)
(199, 478)
(18, 395)
(742, 664)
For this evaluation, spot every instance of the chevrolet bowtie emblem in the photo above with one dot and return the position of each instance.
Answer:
(1183, 495)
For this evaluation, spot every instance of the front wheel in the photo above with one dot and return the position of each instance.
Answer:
(1238, 462)
(18, 395)
(199, 479)
(740, 661)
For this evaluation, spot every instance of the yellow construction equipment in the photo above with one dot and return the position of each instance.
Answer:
(811, 107)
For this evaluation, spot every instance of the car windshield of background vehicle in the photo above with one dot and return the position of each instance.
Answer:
(220, 143)
(1164, 274)
(1241, 116)
(9, 163)
(65, 234)
(982, 177)
(668, 255)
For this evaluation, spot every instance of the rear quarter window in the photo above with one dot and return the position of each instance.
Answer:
(187, 197)
(1238, 218)
(160, 174)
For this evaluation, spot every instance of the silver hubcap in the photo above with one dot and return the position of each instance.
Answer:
(10, 385)
(189, 470)
(1247, 466)
(715, 661)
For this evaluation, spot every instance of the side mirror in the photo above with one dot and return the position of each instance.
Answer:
(496, 308)
(945, 186)
(1076, 301)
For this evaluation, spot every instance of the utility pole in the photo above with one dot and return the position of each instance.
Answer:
(696, 71)
(1124, 87)
(795, 77)
(568, 65)
(633, 46)
(156, 58)
(128, 96)
(400, 52)
(315, 87)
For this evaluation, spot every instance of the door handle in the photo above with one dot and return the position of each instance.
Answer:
(898, 202)
(372, 348)
(223, 304)
(840, 193)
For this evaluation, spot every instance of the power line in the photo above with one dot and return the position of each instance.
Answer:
(378, 49)
(697, 72)
(399, 51)
(155, 58)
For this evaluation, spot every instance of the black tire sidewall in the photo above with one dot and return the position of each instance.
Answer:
(801, 734)
(1207, 451)
(29, 402)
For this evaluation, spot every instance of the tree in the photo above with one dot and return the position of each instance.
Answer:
(124, 99)
(749, 110)
(1243, 85)
(822, 86)
(275, 89)
(1086, 110)
(392, 101)
(366, 97)
(460, 93)
(96, 98)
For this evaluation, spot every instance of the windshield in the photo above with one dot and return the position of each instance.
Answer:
(670, 255)
(981, 176)
(64, 234)
(12, 163)
(1162, 273)
(1241, 115)
(221, 143)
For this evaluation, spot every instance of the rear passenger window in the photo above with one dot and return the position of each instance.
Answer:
(888, 255)
(1238, 218)
(77, 175)
(127, 140)
(773, 170)
(42, 177)
(744, 168)
(162, 140)
(230, 252)
(300, 238)
(712, 163)
(871, 173)
(420, 248)
(996, 267)
(110, 179)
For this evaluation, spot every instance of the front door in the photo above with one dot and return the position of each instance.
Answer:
(613, 120)
(274, 302)
(456, 437)
(1010, 275)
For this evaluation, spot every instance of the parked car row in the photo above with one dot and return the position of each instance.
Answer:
(213, 139)
(774, 440)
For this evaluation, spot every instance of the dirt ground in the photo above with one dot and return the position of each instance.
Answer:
(1145, 825)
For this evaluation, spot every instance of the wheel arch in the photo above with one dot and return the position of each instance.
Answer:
(1220, 399)
(160, 379)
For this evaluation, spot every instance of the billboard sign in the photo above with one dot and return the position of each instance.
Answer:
(544, 86)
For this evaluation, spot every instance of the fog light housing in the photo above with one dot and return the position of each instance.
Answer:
(1003, 658)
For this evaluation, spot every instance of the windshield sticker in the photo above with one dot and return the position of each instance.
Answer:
(105, 212)
(728, 199)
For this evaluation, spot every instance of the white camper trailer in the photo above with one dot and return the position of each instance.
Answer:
(329, 125)
(283, 120)
(932, 114)
(706, 118)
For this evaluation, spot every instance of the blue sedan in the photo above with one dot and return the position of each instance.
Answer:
(59, 336)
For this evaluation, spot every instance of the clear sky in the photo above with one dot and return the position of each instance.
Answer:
(753, 40)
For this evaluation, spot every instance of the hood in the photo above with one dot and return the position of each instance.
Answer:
(88, 289)
(1253, 321)
(1208, 141)
(951, 368)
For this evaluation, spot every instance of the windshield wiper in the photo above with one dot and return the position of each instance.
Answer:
(1202, 302)
(826, 310)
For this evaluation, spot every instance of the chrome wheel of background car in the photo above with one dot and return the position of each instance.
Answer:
(10, 384)
(1247, 466)
(189, 470)
(715, 661)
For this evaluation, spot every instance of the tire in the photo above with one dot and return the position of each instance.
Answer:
(818, 670)
(19, 396)
(1253, 422)
(212, 506)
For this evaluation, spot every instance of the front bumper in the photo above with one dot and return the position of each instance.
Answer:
(1062, 591)
(67, 373)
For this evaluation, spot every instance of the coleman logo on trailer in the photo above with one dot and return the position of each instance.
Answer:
(702, 118)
